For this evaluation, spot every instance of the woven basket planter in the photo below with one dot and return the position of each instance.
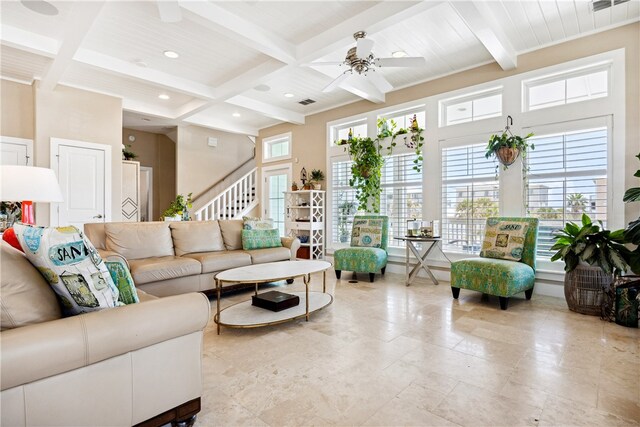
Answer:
(507, 155)
(584, 289)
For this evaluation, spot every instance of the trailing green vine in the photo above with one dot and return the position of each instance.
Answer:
(366, 170)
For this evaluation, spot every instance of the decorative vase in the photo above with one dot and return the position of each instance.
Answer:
(584, 289)
(317, 186)
(507, 155)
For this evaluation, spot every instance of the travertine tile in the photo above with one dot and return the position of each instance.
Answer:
(387, 354)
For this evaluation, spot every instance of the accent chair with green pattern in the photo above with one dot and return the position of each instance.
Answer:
(368, 250)
(491, 273)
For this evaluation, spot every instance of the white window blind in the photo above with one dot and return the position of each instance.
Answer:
(567, 177)
(344, 204)
(401, 197)
(470, 194)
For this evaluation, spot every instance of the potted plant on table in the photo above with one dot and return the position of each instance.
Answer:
(317, 176)
(592, 256)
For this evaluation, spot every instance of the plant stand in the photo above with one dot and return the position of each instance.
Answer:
(584, 289)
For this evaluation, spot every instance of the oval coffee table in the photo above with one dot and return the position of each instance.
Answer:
(245, 315)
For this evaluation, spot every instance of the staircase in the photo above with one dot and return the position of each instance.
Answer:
(235, 201)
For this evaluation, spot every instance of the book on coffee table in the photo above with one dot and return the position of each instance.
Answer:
(275, 300)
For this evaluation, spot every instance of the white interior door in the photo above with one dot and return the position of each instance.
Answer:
(276, 181)
(82, 174)
(16, 151)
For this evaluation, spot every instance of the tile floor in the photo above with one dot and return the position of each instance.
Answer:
(387, 354)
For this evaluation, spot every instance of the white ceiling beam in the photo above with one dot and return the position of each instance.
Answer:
(147, 109)
(239, 29)
(371, 20)
(77, 25)
(28, 42)
(480, 20)
(267, 109)
(148, 75)
(249, 79)
(223, 125)
(191, 108)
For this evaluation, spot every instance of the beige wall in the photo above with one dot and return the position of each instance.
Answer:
(309, 140)
(200, 166)
(16, 109)
(84, 116)
(158, 152)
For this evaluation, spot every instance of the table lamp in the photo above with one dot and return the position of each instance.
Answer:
(28, 184)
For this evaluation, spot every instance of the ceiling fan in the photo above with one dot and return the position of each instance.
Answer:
(361, 60)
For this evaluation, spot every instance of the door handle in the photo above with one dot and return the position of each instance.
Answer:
(98, 216)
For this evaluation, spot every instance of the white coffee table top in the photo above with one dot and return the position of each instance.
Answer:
(272, 271)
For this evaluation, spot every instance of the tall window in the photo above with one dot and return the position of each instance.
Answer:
(469, 195)
(567, 177)
(344, 203)
(401, 197)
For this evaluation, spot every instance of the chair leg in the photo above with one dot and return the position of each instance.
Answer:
(338, 273)
(504, 302)
(455, 292)
(528, 293)
(383, 269)
(372, 277)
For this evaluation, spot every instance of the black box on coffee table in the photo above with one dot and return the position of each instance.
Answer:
(275, 300)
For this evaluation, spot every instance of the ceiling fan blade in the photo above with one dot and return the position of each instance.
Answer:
(363, 47)
(379, 81)
(336, 82)
(169, 10)
(410, 61)
(322, 64)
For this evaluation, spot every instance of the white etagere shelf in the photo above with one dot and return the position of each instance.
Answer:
(304, 212)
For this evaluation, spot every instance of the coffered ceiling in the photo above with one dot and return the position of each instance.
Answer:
(238, 59)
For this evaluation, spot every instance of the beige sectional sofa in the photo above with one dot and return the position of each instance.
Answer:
(170, 258)
(115, 367)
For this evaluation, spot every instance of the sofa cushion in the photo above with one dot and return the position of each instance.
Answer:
(155, 269)
(196, 236)
(260, 256)
(139, 239)
(71, 265)
(504, 239)
(231, 233)
(260, 239)
(119, 270)
(25, 296)
(499, 277)
(218, 261)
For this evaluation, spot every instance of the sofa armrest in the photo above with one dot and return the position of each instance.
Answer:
(293, 243)
(38, 351)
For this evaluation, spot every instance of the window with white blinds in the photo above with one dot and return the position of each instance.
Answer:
(401, 197)
(470, 194)
(567, 177)
(343, 203)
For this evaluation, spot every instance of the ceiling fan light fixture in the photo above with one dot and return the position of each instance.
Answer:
(399, 54)
(171, 54)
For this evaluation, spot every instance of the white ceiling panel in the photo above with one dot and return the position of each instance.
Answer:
(15, 14)
(297, 21)
(20, 65)
(224, 113)
(133, 31)
(86, 77)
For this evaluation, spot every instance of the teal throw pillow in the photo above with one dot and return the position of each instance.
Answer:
(260, 239)
(121, 276)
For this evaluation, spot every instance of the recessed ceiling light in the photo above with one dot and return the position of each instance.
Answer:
(171, 54)
(164, 96)
(399, 54)
(262, 88)
(140, 63)
(40, 6)
(289, 95)
(236, 114)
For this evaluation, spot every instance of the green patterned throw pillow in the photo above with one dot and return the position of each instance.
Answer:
(260, 239)
(504, 239)
(367, 233)
(121, 276)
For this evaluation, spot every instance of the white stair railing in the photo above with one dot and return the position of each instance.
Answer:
(235, 201)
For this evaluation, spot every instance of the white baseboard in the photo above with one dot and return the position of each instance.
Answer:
(542, 287)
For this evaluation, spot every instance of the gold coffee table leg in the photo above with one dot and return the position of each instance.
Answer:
(324, 282)
(306, 279)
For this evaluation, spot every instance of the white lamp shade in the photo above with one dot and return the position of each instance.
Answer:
(29, 183)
